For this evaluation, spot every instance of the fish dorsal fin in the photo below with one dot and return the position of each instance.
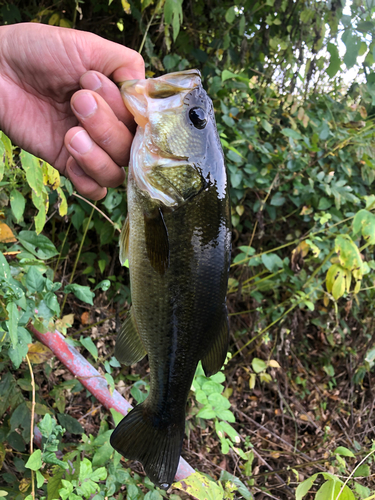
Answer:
(124, 241)
(157, 243)
(215, 357)
(129, 347)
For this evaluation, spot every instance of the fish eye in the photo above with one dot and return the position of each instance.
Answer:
(198, 117)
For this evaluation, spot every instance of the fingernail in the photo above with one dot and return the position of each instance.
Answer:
(77, 170)
(84, 104)
(90, 81)
(81, 142)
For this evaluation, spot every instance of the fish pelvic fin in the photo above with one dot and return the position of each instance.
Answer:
(215, 357)
(124, 241)
(129, 347)
(157, 447)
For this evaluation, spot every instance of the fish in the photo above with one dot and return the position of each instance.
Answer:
(177, 239)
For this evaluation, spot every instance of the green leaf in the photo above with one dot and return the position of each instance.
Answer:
(39, 479)
(241, 488)
(70, 424)
(362, 471)
(54, 483)
(35, 460)
(226, 415)
(258, 365)
(12, 323)
(305, 486)
(226, 75)
(173, 15)
(102, 455)
(99, 474)
(364, 222)
(18, 352)
(90, 346)
(218, 402)
(266, 125)
(230, 14)
(349, 255)
(17, 203)
(362, 491)
(206, 412)
(38, 245)
(34, 280)
(343, 451)
(81, 292)
(353, 44)
(117, 416)
(278, 200)
(104, 285)
(335, 61)
(272, 261)
(289, 132)
(34, 172)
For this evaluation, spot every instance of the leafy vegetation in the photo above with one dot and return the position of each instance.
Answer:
(293, 417)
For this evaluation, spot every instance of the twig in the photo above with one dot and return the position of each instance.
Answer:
(97, 209)
(96, 408)
(32, 423)
(281, 480)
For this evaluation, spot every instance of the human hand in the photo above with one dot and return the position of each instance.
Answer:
(85, 134)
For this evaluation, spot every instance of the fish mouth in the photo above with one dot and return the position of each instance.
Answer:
(139, 95)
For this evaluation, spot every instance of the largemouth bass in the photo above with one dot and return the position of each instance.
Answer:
(177, 238)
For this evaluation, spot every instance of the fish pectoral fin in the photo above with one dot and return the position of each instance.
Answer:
(129, 348)
(124, 241)
(181, 181)
(215, 357)
(157, 243)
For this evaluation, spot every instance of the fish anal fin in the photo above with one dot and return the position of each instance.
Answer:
(215, 357)
(157, 243)
(129, 348)
(157, 447)
(124, 241)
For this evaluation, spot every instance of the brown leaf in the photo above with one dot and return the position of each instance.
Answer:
(85, 318)
(6, 235)
(39, 353)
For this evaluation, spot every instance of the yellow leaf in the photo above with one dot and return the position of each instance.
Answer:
(51, 176)
(252, 380)
(126, 6)
(65, 322)
(273, 363)
(326, 300)
(63, 207)
(24, 484)
(199, 486)
(6, 235)
(39, 353)
(303, 417)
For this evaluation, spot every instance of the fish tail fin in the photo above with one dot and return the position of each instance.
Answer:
(157, 447)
